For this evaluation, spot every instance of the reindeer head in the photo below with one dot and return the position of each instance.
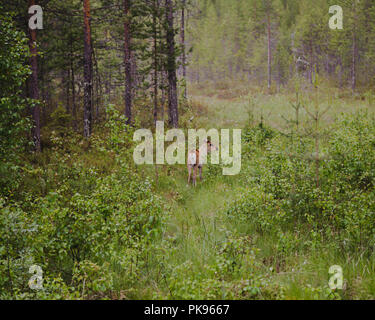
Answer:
(211, 147)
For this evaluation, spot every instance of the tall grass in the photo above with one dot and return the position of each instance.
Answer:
(207, 254)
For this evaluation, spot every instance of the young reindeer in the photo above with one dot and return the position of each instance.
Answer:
(194, 161)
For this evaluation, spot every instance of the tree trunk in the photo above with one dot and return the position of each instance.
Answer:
(127, 63)
(155, 3)
(72, 82)
(269, 50)
(311, 69)
(33, 87)
(354, 61)
(67, 88)
(340, 73)
(97, 85)
(74, 107)
(171, 68)
(183, 46)
(107, 99)
(43, 115)
(87, 72)
(163, 94)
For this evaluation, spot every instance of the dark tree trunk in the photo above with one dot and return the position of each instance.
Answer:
(183, 45)
(107, 93)
(72, 84)
(354, 61)
(67, 86)
(339, 74)
(269, 50)
(163, 94)
(154, 26)
(87, 72)
(311, 69)
(97, 85)
(198, 70)
(127, 63)
(43, 115)
(171, 67)
(33, 87)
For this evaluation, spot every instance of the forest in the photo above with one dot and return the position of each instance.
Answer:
(80, 219)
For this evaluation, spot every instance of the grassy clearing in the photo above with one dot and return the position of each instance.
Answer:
(208, 254)
(232, 109)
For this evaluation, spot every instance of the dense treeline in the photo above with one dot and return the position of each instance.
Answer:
(248, 39)
(98, 52)
(91, 54)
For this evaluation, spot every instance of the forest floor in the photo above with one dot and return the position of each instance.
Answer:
(208, 254)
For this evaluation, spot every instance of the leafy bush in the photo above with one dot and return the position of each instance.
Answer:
(282, 190)
(89, 212)
(63, 235)
(13, 126)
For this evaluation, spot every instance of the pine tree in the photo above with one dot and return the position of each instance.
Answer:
(171, 66)
(87, 71)
(127, 63)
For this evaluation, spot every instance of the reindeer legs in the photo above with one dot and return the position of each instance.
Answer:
(189, 170)
(195, 176)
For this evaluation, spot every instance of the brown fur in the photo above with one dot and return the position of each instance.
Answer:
(197, 166)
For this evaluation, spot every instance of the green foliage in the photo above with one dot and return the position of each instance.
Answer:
(13, 73)
(60, 121)
(120, 134)
(341, 209)
(257, 136)
(80, 222)
(83, 232)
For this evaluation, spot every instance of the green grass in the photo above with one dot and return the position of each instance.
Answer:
(233, 110)
(197, 228)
